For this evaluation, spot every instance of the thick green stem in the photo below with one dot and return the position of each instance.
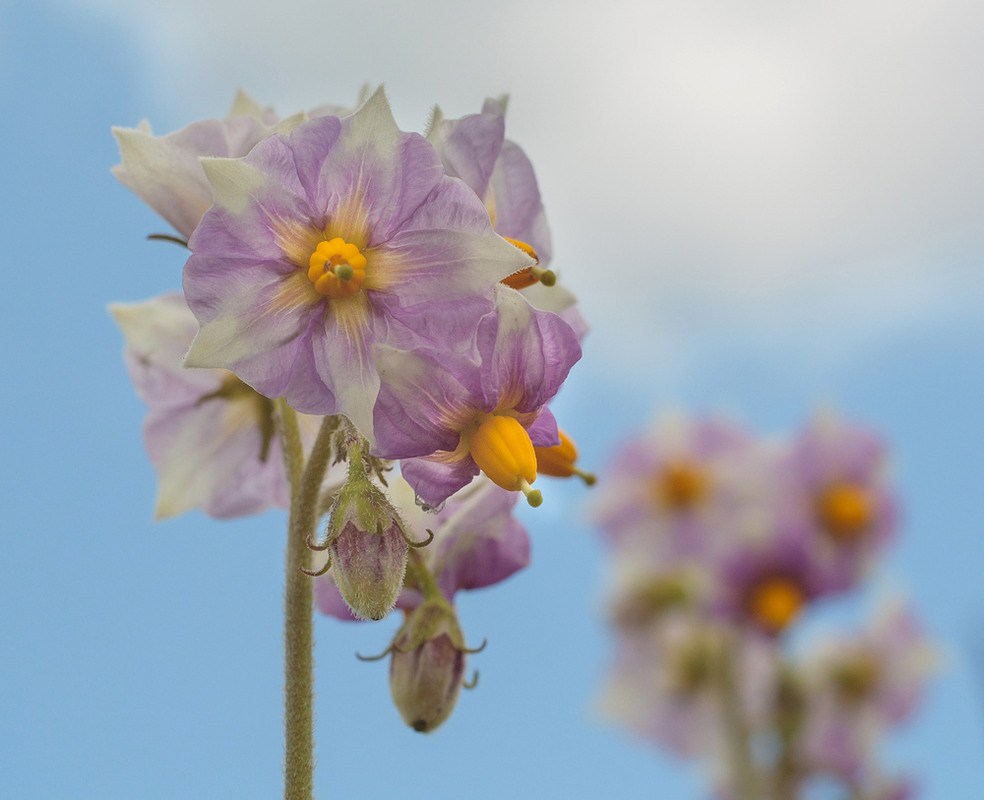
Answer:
(306, 480)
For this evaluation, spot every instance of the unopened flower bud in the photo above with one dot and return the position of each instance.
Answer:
(428, 665)
(368, 549)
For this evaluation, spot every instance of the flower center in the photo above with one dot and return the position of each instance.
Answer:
(844, 511)
(337, 268)
(774, 601)
(690, 667)
(502, 449)
(647, 600)
(681, 485)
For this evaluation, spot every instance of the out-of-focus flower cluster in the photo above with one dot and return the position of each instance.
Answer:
(720, 542)
(393, 291)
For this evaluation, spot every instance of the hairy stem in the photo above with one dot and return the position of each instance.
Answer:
(305, 481)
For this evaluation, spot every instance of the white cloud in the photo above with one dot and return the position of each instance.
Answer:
(811, 171)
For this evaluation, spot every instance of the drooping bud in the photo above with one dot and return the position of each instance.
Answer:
(367, 545)
(428, 665)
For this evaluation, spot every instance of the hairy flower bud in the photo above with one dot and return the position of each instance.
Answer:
(368, 549)
(427, 666)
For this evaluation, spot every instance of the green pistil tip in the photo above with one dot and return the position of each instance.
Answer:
(533, 496)
(588, 477)
(344, 272)
(547, 276)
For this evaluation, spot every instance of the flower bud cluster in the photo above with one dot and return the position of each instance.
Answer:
(721, 542)
(476, 543)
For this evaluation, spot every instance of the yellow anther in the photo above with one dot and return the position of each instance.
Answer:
(560, 460)
(681, 485)
(844, 511)
(529, 275)
(774, 601)
(528, 249)
(337, 268)
(502, 449)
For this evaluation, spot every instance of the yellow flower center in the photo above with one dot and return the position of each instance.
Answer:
(502, 449)
(681, 485)
(774, 601)
(844, 511)
(337, 268)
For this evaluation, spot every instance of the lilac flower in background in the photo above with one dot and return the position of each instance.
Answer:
(766, 582)
(210, 437)
(450, 419)
(859, 687)
(712, 530)
(835, 478)
(665, 686)
(326, 243)
(672, 492)
(477, 543)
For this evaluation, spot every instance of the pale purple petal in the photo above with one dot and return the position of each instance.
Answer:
(165, 173)
(390, 171)
(208, 457)
(528, 352)
(447, 250)
(158, 333)
(435, 481)
(470, 146)
(419, 400)
(480, 542)
(518, 209)
(212, 447)
(543, 431)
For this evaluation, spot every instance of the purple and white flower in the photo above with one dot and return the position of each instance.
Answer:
(449, 418)
(665, 684)
(859, 687)
(680, 490)
(835, 478)
(328, 242)
(210, 437)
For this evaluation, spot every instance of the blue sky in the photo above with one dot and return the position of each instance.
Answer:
(764, 211)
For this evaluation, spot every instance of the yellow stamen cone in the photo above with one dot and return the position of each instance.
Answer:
(502, 449)
(560, 461)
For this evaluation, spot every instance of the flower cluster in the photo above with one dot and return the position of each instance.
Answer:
(720, 543)
(358, 295)
(342, 264)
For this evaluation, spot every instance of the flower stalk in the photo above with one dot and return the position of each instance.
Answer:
(738, 753)
(305, 482)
